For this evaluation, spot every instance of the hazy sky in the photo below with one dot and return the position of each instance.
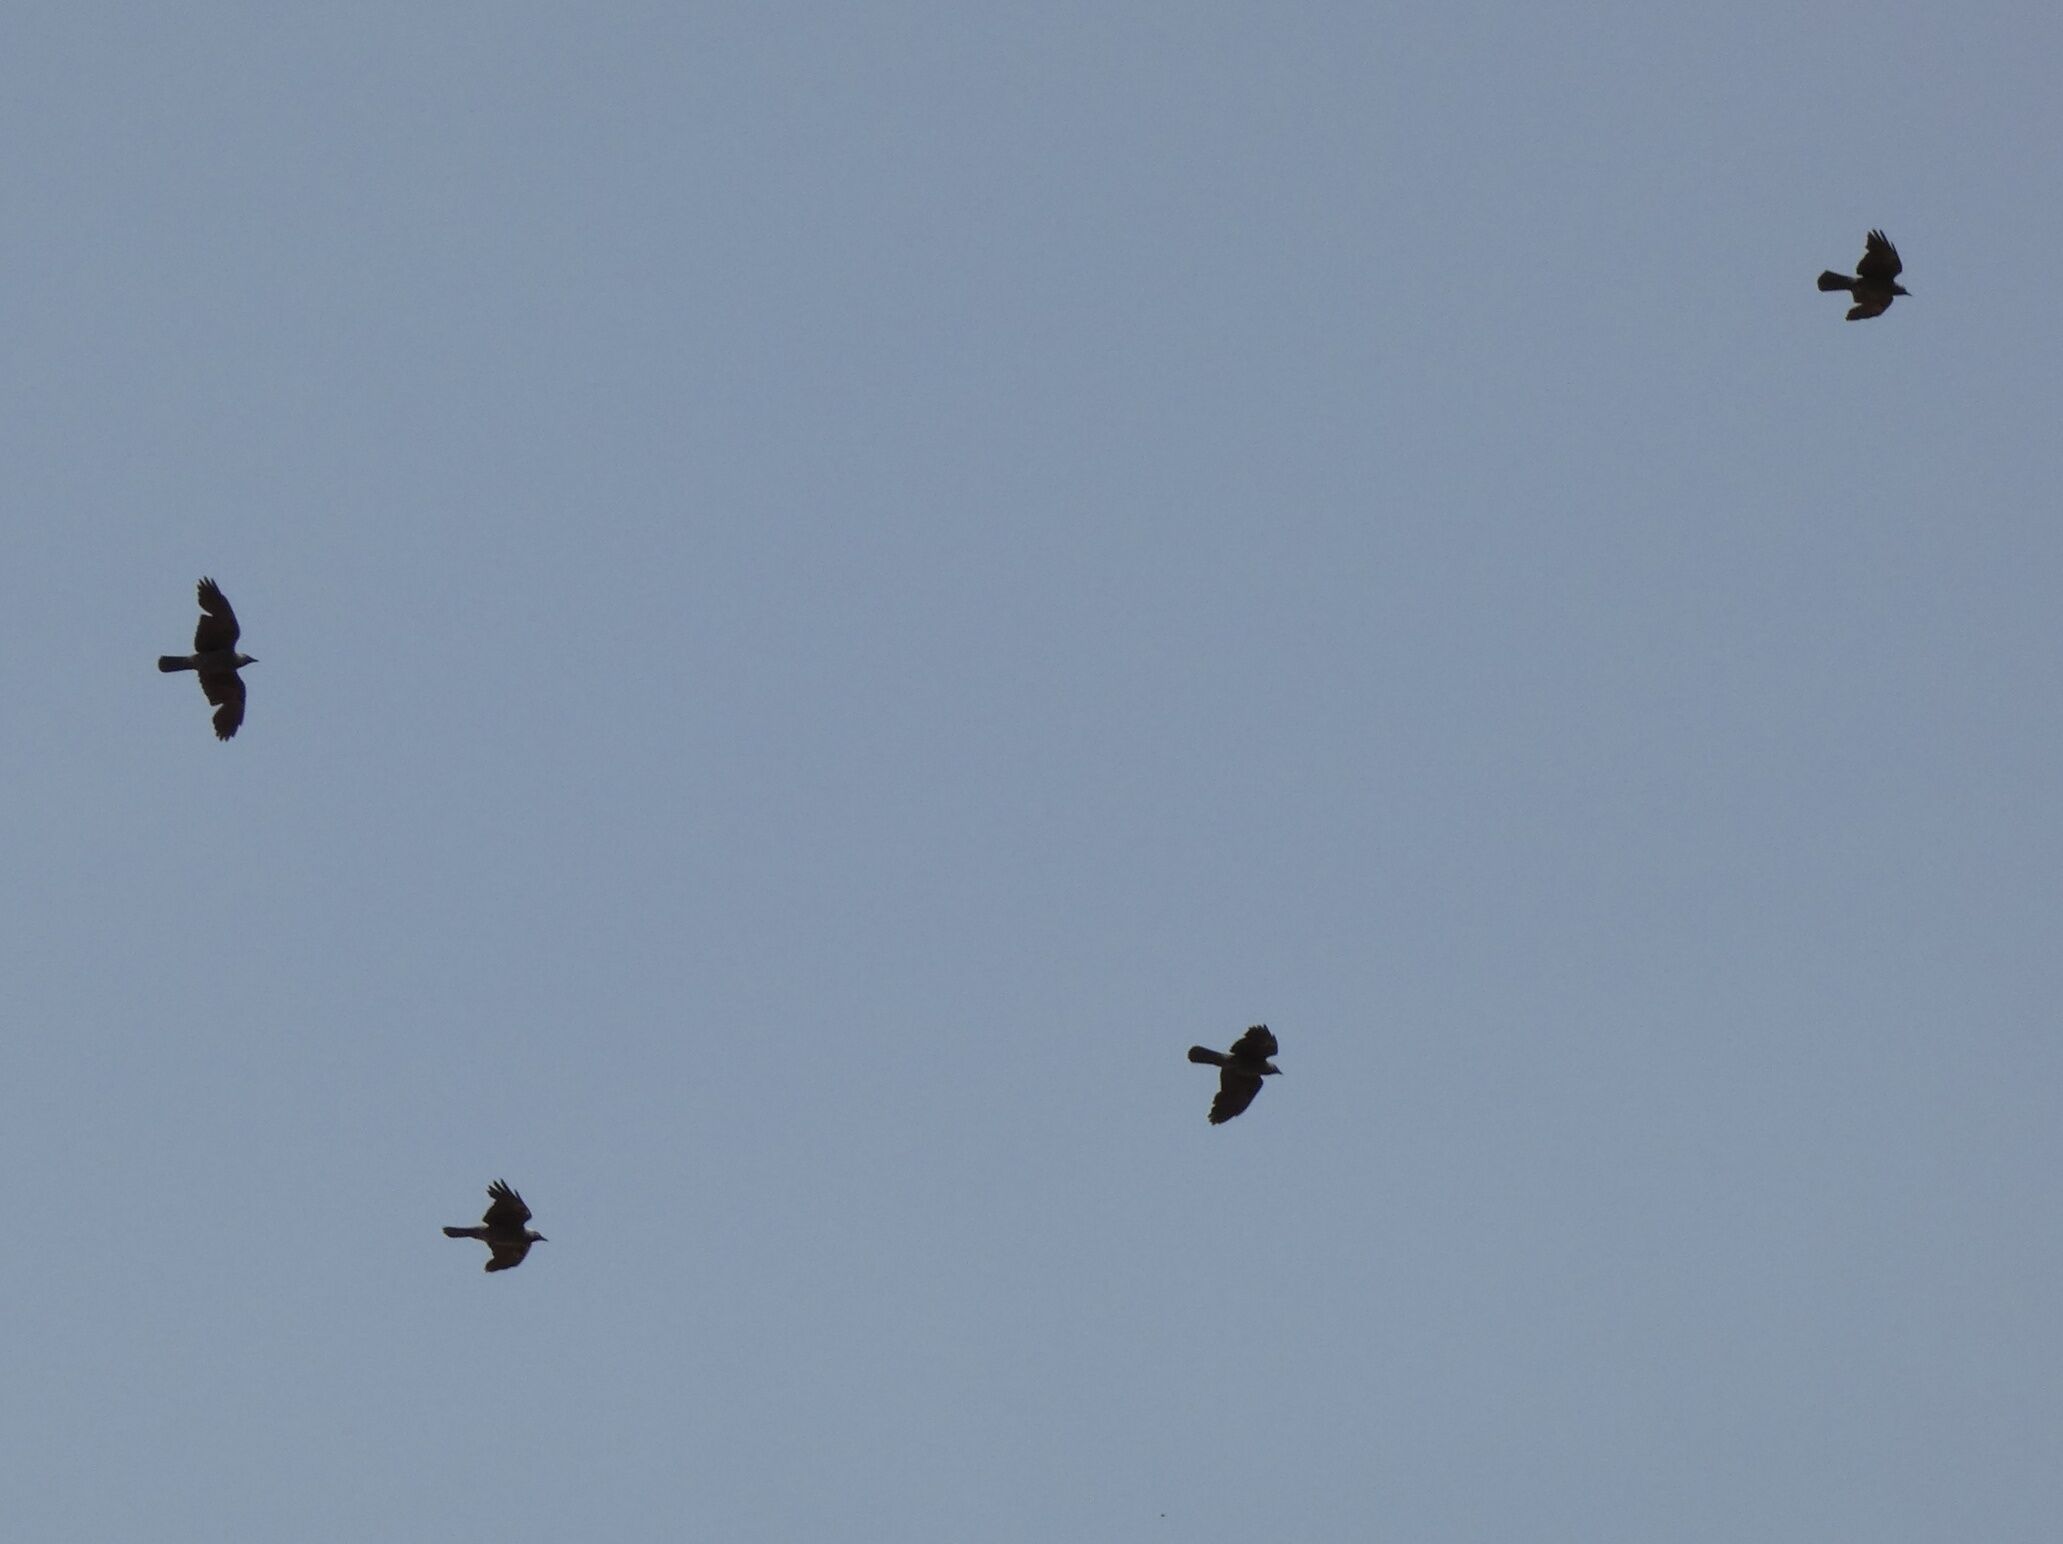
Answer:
(837, 584)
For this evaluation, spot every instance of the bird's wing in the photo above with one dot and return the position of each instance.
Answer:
(225, 688)
(503, 1257)
(1236, 1091)
(1863, 310)
(507, 1211)
(218, 629)
(1880, 262)
(1257, 1044)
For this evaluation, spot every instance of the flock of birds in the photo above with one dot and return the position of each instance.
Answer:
(505, 1226)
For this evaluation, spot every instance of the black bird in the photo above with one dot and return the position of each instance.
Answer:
(1875, 281)
(505, 1229)
(215, 657)
(1240, 1073)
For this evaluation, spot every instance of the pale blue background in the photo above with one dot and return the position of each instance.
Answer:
(836, 584)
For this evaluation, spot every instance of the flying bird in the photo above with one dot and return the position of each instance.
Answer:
(1240, 1072)
(216, 658)
(1875, 281)
(505, 1228)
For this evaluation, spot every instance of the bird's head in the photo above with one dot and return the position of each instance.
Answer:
(535, 1237)
(246, 659)
(1900, 289)
(1270, 1070)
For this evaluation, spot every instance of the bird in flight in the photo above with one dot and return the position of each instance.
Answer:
(215, 657)
(504, 1228)
(1240, 1072)
(1875, 281)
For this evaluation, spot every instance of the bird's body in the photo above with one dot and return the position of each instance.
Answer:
(216, 659)
(212, 663)
(1875, 283)
(504, 1228)
(1239, 1071)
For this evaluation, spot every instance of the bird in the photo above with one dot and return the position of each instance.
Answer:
(1875, 281)
(505, 1228)
(1240, 1071)
(215, 656)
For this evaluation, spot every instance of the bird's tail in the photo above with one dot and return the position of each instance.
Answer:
(1831, 280)
(465, 1233)
(1204, 1054)
(169, 662)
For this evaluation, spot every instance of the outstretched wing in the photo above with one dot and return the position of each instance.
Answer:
(1236, 1091)
(218, 629)
(1257, 1044)
(225, 688)
(507, 1211)
(503, 1257)
(1880, 264)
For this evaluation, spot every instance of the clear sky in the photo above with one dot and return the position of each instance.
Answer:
(836, 584)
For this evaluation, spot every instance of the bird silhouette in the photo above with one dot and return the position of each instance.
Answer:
(216, 658)
(1239, 1072)
(505, 1228)
(1875, 281)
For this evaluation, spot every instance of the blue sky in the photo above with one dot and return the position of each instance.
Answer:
(836, 585)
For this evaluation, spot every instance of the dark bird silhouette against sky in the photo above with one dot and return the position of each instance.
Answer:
(1240, 1072)
(215, 657)
(504, 1228)
(1875, 281)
